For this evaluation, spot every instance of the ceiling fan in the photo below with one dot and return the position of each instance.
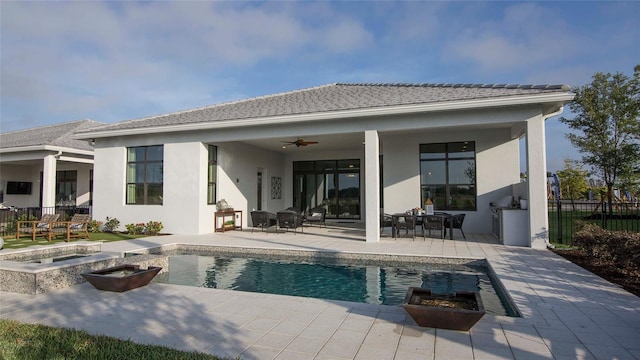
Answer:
(300, 142)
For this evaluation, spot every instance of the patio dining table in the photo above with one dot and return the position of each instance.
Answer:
(447, 218)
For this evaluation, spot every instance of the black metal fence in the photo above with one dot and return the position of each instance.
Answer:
(9, 216)
(565, 215)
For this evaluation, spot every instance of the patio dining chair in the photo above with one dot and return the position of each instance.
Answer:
(456, 223)
(385, 221)
(407, 223)
(36, 228)
(432, 222)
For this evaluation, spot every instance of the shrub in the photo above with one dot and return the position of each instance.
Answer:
(633, 245)
(591, 238)
(135, 229)
(111, 224)
(619, 248)
(12, 225)
(154, 227)
(94, 226)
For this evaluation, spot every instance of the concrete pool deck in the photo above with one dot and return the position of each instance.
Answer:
(568, 313)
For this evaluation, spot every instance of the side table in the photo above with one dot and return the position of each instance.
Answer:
(227, 220)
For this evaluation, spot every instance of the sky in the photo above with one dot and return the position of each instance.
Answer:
(63, 61)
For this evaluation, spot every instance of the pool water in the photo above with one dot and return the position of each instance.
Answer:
(375, 284)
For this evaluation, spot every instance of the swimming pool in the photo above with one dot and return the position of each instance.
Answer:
(375, 282)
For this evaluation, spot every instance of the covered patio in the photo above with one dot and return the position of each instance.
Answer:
(351, 235)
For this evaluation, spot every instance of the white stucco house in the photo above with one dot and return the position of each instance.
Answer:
(45, 167)
(372, 147)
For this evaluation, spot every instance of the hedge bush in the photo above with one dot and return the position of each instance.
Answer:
(619, 248)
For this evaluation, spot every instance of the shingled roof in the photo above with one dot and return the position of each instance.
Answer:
(52, 135)
(335, 97)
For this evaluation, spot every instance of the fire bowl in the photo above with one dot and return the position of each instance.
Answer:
(459, 311)
(121, 278)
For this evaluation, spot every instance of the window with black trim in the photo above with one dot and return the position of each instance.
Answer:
(212, 171)
(66, 187)
(448, 175)
(145, 175)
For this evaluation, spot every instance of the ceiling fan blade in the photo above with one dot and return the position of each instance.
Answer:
(299, 142)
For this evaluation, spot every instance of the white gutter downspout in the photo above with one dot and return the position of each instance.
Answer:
(555, 113)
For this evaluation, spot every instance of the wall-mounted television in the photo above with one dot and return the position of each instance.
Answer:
(18, 187)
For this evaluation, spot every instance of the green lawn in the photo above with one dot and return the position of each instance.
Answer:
(26, 342)
(10, 242)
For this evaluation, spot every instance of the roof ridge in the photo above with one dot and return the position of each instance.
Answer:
(469, 85)
(57, 125)
(50, 135)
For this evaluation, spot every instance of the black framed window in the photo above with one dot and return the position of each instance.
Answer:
(145, 175)
(66, 187)
(448, 175)
(212, 174)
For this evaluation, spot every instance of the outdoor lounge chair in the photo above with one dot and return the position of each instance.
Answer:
(40, 227)
(288, 220)
(316, 216)
(300, 214)
(263, 220)
(77, 227)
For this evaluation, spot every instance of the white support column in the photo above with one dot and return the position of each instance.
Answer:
(537, 183)
(372, 185)
(49, 182)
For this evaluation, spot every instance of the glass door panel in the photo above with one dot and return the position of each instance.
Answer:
(325, 184)
(309, 192)
(349, 195)
(298, 190)
(329, 196)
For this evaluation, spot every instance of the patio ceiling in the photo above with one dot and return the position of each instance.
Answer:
(330, 142)
(355, 140)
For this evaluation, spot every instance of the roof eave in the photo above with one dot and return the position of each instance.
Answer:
(557, 98)
(45, 148)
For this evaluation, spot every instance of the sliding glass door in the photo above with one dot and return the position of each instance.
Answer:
(332, 184)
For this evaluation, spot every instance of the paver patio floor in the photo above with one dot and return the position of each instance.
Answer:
(568, 313)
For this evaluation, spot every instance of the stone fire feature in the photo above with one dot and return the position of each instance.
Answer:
(19, 274)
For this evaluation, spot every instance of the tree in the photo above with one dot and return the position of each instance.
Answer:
(573, 180)
(607, 125)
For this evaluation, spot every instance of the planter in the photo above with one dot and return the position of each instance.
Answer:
(121, 278)
(459, 311)
(523, 204)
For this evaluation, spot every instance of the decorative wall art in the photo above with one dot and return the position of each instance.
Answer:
(276, 187)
